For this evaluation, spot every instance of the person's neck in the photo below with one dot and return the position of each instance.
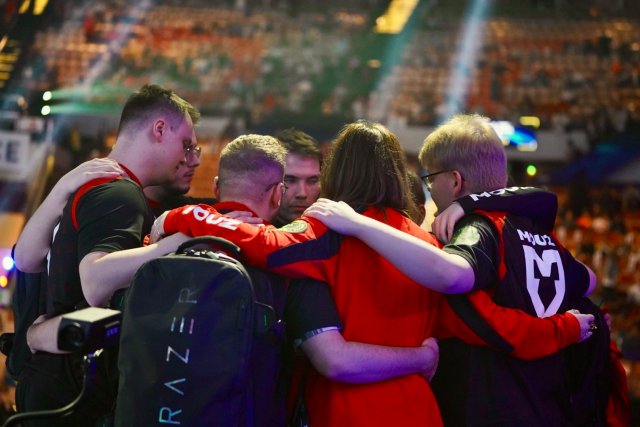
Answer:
(155, 193)
(255, 207)
(129, 161)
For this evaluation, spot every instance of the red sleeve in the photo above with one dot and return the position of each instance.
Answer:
(264, 247)
(525, 336)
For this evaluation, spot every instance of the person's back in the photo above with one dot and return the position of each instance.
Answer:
(533, 269)
(378, 305)
(515, 259)
(249, 165)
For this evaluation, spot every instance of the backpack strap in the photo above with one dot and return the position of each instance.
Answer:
(498, 220)
(463, 306)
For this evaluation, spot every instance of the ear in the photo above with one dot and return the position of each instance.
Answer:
(159, 127)
(457, 184)
(276, 196)
(216, 188)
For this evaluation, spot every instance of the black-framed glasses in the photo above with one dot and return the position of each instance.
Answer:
(195, 151)
(428, 178)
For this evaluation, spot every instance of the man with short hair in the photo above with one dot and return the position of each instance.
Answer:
(96, 249)
(301, 174)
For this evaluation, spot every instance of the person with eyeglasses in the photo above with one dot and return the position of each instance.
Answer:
(96, 247)
(169, 196)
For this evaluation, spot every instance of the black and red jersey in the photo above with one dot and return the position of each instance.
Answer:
(104, 215)
(522, 266)
(100, 217)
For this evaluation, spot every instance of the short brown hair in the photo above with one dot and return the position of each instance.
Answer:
(152, 99)
(467, 143)
(247, 162)
(300, 143)
(367, 167)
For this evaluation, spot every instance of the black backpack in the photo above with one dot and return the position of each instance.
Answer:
(200, 342)
(589, 375)
(29, 301)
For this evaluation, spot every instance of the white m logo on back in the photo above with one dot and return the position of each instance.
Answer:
(549, 258)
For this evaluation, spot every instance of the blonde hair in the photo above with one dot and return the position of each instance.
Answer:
(467, 143)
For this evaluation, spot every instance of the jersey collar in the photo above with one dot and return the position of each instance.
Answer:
(131, 175)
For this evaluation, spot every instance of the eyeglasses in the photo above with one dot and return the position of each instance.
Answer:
(195, 151)
(428, 178)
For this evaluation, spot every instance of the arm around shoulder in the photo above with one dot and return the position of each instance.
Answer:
(33, 244)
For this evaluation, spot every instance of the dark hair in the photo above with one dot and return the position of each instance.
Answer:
(151, 100)
(300, 143)
(417, 191)
(367, 167)
(417, 188)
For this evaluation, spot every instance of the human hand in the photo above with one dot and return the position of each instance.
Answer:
(87, 171)
(432, 355)
(338, 216)
(157, 229)
(446, 220)
(587, 324)
(31, 331)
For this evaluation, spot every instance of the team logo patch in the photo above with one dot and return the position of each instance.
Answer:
(297, 226)
(466, 236)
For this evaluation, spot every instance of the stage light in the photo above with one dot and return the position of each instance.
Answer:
(395, 17)
(532, 170)
(7, 263)
(45, 111)
(47, 96)
(463, 61)
(532, 121)
(3, 281)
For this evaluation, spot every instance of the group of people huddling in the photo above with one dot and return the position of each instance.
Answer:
(394, 325)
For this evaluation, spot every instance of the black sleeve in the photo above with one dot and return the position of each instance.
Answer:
(309, 310)
(576, 276)
(539, 205)
(111, 217)
(476, 240)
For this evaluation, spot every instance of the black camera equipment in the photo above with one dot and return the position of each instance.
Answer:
(82, 332)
